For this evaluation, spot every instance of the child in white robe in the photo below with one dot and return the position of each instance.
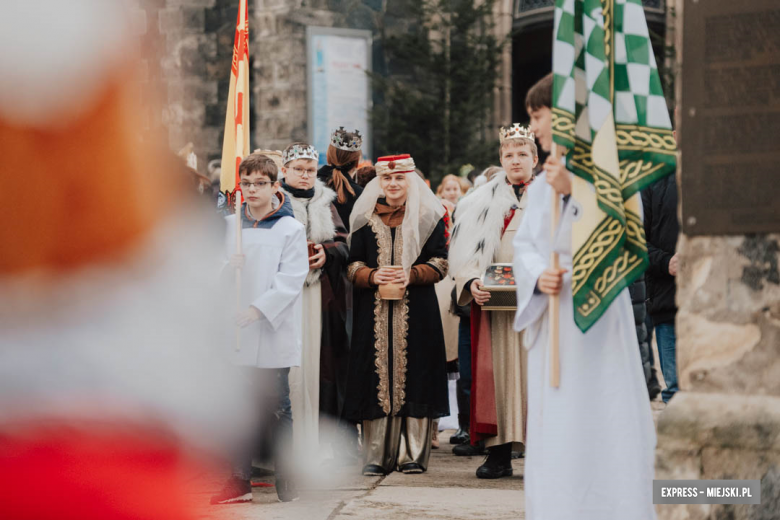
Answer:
(274, 264)
(591, 441)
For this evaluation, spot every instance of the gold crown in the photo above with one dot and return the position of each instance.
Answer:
(516, 131)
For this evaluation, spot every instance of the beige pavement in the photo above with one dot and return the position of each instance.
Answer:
(448, 490)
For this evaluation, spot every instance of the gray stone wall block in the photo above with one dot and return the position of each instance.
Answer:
(272, 128)
(720, 436)
(192, 92)
(194, 19)
(292, 74)
(170, 20)
(263, 75)
(729, 314)
(276, 5)
(192, 3)
(265, 24)
(280, 100)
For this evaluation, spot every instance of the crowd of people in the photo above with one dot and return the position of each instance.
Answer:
(363, 293)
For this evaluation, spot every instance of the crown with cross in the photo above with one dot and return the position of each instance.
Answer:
(298, 151)
(340, 140)
(516, 131)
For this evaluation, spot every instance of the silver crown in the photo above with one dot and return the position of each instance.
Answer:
(516, 131)
(298, 151)
(340, 140)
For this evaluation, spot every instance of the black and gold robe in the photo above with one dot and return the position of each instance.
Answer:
(397, 358)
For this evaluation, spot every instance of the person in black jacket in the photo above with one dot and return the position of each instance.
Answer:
(638, 291)
(659, 201)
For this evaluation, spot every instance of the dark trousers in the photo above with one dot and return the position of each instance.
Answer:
(271, 391)
(463, 387)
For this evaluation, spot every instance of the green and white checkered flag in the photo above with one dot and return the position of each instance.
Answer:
(609, 112)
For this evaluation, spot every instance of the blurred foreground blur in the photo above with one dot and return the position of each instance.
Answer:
(112, 386)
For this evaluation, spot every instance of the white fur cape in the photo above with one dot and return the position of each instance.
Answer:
(479, 221)
(316, 215)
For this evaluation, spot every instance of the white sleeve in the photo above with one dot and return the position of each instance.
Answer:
(529, 261)
(288, 281)
(228, 246)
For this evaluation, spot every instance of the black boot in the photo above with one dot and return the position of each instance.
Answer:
(462, 435)
(498, 463)
(469, 450)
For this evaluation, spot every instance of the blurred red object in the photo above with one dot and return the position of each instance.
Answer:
(61, 471)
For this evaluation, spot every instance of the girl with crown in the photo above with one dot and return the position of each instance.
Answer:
(314, 385)
(344, 155)
(397, 382)
(486, 222)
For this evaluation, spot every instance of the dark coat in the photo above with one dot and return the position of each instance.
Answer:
(639, 303)
(334, 344)
(325, 174)
(423, 391)
(659, 202)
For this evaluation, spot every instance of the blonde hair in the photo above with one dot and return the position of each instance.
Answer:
(462, 183)
(531, 144)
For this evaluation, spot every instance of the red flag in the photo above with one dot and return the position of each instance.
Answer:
(235, 145)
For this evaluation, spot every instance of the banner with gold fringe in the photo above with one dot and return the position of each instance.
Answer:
(610, 113)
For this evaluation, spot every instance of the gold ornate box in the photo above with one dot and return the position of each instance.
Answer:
(499, 280)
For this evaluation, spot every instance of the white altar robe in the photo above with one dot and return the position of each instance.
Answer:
(591, 442)
(305, 379)
(276, 265)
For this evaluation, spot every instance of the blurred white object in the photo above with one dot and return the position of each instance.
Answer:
(55, 55)
(451, 422)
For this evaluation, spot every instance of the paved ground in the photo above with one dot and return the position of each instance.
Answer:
(448, 490)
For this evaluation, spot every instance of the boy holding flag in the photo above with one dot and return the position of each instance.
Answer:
(590, 437)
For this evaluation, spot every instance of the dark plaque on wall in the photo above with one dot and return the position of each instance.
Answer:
(730, 117)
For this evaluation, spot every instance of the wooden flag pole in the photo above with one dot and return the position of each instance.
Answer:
(554, 303)
(238, 269)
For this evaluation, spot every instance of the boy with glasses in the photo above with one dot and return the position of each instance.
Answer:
(274, 268)
(317, 385)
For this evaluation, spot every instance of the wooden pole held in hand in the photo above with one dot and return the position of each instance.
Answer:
(555, 300)
(238, 269)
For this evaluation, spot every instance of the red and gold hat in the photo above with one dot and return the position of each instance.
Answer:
(394, 164)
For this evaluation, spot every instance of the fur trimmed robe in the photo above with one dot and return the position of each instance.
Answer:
(318, 385)
(485, 224)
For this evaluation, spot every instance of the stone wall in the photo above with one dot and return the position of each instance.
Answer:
(188, 46)
(725, 421)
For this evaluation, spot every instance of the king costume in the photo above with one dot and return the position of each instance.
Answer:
(591, 440)
(318, 384)
(485, 225)
(397, 381)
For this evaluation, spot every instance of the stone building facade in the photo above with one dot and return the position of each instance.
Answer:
(188, 47)
(188, 44)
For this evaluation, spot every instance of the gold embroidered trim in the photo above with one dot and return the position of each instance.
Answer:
(381, 315)
(384, 240)
(381, 346)
(440, 264)
(400, 332)
(400, 326)
(352, 270)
